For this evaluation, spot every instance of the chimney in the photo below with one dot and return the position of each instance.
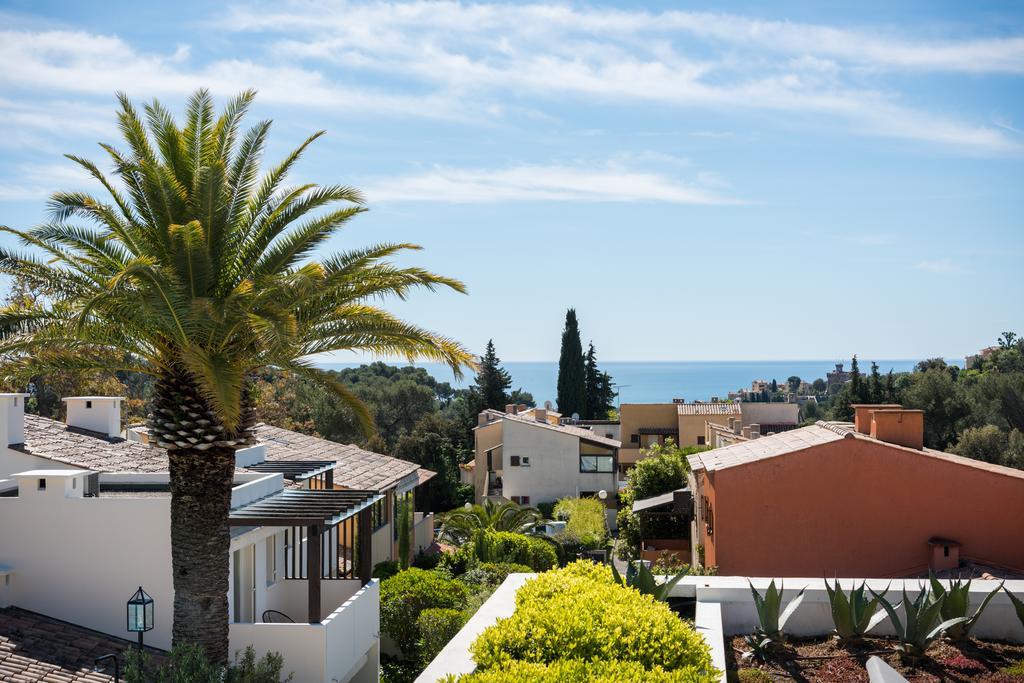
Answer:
(755, 430)
(862, 414)
(95, 413)
(12, 418)
(541, 414)
(510, 408)
(943, 554)
(745, 432)
(899, 426)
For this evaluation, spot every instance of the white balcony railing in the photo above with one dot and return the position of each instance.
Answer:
(343, 647)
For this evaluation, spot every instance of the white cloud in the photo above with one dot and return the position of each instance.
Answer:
(32, 182)
(938, 266)
(602, 183)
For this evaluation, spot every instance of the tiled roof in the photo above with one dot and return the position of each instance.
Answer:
(37, 648)
(356, 468)
(815, 435)
(708, 409)
(579, 432)
(54, 440)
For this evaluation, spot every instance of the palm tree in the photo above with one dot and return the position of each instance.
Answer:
(198, 269)
(461, 523)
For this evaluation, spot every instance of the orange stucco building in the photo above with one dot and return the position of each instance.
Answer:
(862, 499)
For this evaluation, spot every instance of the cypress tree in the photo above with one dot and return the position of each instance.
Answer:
(877, 393)
(492, 380)
(890, 387)
(856, 383)
(599, 390)
(571, 377)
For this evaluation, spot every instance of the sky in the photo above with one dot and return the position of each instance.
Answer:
(720, 181)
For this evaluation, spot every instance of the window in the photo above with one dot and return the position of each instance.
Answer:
(596, 463)
(514, 460)
(526, 461)
(271, 560)
(634, 438)
(379, 513)
(708, 515)
(525, 500)
(42, 485)
(88, 404)
(701, 441)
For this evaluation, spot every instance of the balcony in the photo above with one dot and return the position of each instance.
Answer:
(344, 647)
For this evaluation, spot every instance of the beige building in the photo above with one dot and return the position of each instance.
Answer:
(643, 425)
(529, 457)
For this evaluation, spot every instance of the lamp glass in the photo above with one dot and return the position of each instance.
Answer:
(140, 612)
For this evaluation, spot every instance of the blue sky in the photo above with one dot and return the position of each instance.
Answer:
(725, 181)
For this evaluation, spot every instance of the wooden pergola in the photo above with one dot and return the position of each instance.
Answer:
(319, 473)
(323, 515)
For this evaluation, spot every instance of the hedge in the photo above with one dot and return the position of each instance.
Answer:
(493, 573)
(506, 546)
(580, 613)
(437, 626)
(575, 671)
(406, 595)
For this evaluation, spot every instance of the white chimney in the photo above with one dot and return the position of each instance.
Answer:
(12, 418)
(95, 413)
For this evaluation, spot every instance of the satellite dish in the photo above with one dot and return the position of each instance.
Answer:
(575, 417)
(547, 405)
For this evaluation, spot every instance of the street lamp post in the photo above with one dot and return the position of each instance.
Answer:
(140, 614)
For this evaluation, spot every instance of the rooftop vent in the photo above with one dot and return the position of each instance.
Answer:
(899, 426)
(862, 414)
(13, 425)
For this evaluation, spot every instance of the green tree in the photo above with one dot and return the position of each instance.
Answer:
(434, 444)
(988, 443)
(572, 392)
(820, 386)
(460, 524)
(875, 390)
(891, 395)
(794, 383)
(945, 406)
(857, 392)
(199, 271)
(492, 381)
(599, 392)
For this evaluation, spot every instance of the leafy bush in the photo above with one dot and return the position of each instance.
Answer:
(586, 523)
(855, 615)
(579, 612)
(753, 676)
(425, 560)
(188, 664)
(505, 546)
(458, 562)
(406, 595)
(956, 603)
(492, 573)
(668, 562)
(575, 671)
(385, 570)
(437, 626)
(547, 510)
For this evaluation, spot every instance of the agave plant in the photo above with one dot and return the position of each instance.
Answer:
(646, 584)
(771, 623)
(956, 604)
(855, 615)
(921, 627)
(1018, 605)
(461, 524)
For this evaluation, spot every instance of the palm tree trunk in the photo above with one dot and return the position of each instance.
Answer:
(202, 469)
(201, 484)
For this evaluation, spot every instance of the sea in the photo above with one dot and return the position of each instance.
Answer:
(663, 381)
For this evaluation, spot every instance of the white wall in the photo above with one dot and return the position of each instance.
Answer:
(81, 559)
(95, 413)
(12, 461)
(554, 470)
(769, 413)
(422, 531)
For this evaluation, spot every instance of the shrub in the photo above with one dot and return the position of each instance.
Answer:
(920, 626)
(405, 595)
(547, 510)
(437, 626)
(505, 546)
(458, 562)
(956, 603)
(385, 570)
(188, 664)
(579, 612)
(586, 524)
(575, 671)
(855, 615)
(753, 676)
(492, 573)
(425, 560)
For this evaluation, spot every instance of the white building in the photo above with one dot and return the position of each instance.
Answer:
(85, 520)
(529, 457)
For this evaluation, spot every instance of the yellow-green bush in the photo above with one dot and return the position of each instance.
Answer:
(404, 596)
(580, 613)
(575, 671)
(586, 523)
(509, 547)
